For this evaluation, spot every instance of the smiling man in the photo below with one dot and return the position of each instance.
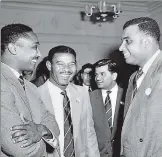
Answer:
(26, 126)
(142, 128)
(69, 104)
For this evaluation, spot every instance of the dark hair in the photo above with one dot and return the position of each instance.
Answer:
(42, 73)
(42, 68)
(111, 64)
(60, 49)
(146, 25)
(11, 33)
(85, 66)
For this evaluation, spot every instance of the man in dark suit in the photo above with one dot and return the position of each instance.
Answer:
(27, 128)
(142, 128)
(106, 104)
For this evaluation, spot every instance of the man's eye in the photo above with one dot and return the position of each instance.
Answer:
(60, 64)
(128, 41)
(35, 47)
(102, 74)
(72, 64)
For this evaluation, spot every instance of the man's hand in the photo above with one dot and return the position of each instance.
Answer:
(27, 133)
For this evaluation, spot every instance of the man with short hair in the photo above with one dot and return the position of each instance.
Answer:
(106, 107)
(27, 128)
(142, 128)
(69, 104)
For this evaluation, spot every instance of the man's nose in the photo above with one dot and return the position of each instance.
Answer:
(121, 47)
(38, 53)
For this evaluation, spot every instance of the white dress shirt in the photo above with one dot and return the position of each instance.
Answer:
(146, 68)
(57, 101)
(113, 97)
(86, 87)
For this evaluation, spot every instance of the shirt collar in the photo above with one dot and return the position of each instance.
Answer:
(150, 61)
(85, 86)
(112, 89)
(14, 71)
(59, 90)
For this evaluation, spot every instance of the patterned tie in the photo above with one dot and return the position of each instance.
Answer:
(137, 76)
(21, 80)
(68, 128)
(108, 109)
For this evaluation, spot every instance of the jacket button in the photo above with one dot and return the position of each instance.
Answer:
(113, 141)
(141, 140)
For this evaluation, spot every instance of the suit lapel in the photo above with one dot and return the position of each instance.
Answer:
(76, 107)
(47, 97)
(117, 107)
(101, 109)
(145, 90)
(8, 74)
(129, 94)
(149, 80)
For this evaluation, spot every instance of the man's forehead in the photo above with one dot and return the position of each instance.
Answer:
(102, 68)
(130, 30)
(63, 57)
(30, 38)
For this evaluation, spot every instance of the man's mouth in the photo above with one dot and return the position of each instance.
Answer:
(126, 54)
(35, 59)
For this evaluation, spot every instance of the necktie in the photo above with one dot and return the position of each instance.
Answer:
(68, 128)
(137, 76)
(108, 109)
(21, 80)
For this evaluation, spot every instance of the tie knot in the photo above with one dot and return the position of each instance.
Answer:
(64, 93)
(139, 74)
(21, 80)
(21, 77)
(108, 92)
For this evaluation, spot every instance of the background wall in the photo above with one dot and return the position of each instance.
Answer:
(60, 23)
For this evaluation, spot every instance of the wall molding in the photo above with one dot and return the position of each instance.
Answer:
(78, 39)
(67, 6)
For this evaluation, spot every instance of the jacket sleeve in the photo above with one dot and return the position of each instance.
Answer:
(10, 117)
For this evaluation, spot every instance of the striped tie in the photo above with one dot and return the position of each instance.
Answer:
(137, 76)
(68, 128)
(21, 80)
(108, 109)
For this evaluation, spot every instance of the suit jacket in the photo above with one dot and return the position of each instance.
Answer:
(106, 138)
(85, 141)
(142, 128)
(15, 103)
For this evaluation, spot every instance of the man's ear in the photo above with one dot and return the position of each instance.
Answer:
(81, 75)
(12, 49)
(114, 76)
(147, 42)
(48, 65)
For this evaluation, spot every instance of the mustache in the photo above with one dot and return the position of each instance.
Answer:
(66, 72)
(36, 57)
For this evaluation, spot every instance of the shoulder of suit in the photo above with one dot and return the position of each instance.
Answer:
(95, 92)
(5, 86)
(76, 86)
(132, 76)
